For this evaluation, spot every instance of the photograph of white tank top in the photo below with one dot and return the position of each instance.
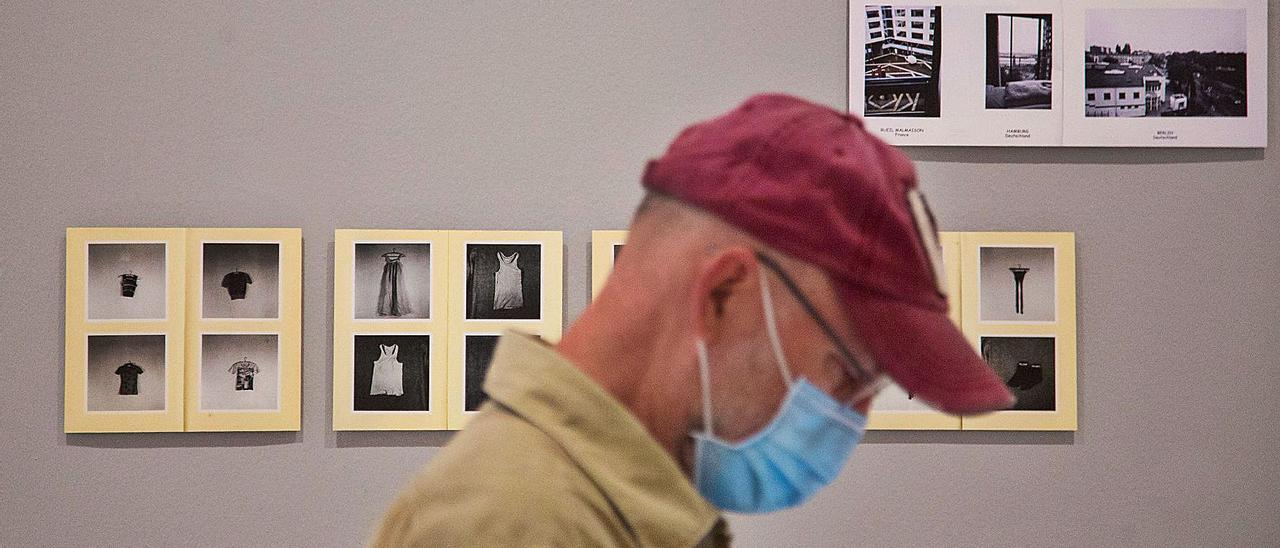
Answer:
(508, 292)
(388, 373)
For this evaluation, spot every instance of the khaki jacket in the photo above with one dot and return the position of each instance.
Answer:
(550, 460)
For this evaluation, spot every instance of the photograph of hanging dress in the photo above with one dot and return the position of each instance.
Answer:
(392, 281)
(391, 372)
(393, 293)
(504, 282)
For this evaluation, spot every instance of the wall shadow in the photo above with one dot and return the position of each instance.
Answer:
(154, 440)
(390, 438)
(1082, 155)
(968, 437)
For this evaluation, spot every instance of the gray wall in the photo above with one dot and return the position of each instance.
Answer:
(479, 115)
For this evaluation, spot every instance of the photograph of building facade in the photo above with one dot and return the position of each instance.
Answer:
(1129, 90)
(903, 50)
(1165, 62)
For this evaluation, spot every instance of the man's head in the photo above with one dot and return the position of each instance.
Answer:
(779, 245)
(811, 183)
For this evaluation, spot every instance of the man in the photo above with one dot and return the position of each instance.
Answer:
(781, 268)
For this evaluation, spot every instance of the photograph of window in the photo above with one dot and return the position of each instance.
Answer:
(1165, 62)
(903, 53)
(1019, 55)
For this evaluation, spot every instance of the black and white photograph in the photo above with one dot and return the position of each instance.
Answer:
(239, 372)
(1165, 62)
(1019, 51)
(125, 373)
(504, 281)
(1017, 284)
(894, 398)
(241, 280)
(392, 373)
(392, 281)
(1026, 364)
(126, 281)
(903, 54)
(479, 352)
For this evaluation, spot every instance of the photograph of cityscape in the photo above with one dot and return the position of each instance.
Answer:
(1165, 62)
(1019, 56)
(903, 49)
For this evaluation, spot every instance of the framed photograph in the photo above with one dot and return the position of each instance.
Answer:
(391, 373)
(392, 281)
(240, 280)
(391, 331)
(477, 353)
(1167, 74)
(895, 408)
(902, 59)
(1027, 366)
(605, 247)
(239, 372)
(244, 329)
(503, 281)
(1017, 284)
(1019, 61)
(498, 281)
(126, 373)
(126, 281)
(958, 72)
(1019, 310)
(125, 342)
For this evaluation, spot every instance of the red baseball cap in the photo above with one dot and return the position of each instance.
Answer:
(811, 182)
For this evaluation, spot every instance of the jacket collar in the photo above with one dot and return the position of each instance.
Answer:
(603, 438)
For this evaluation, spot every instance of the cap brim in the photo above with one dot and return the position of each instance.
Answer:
(925, 353)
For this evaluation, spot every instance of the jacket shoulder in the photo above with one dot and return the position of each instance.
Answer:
(502, 481)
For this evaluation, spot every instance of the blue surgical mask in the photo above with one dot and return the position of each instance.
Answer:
(800, 451)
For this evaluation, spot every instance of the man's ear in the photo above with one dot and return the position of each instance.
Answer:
(720, 280)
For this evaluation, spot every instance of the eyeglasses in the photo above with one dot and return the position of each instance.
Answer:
(871, 381)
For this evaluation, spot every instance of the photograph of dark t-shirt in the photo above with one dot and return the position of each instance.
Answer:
(478, 355)
(129, 378)
(236, 284)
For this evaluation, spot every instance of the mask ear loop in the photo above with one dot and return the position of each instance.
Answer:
(704, 373)
(868, 391)
(771, 327)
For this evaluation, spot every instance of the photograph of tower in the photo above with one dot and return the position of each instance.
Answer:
(1165, 62)
(1019, 52)
(903, 47)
